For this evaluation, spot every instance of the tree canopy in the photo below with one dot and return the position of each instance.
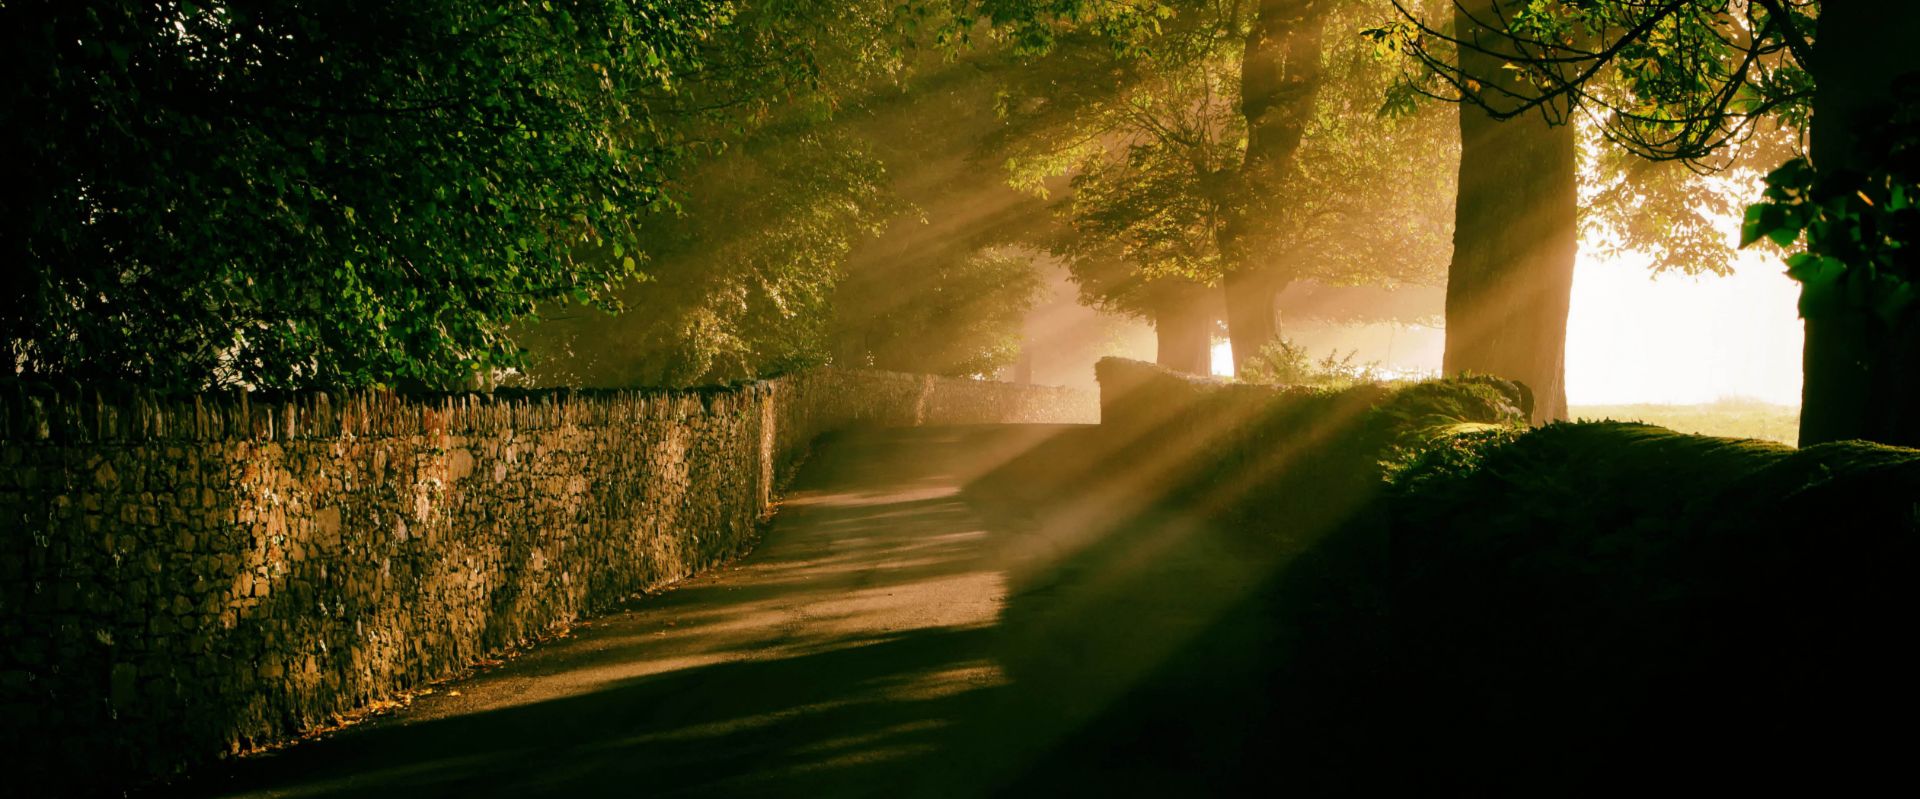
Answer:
(1691, 80)
(276, 193)
(1150, 131)
(1665, 79)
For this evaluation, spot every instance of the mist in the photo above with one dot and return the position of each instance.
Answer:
(958, 398)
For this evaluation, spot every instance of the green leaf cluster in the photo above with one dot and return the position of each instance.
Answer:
(740, 283)
(1674, 79)
(272, 194)
(1283, 363)
(1858, 231)
(961, 317)
(1145, 138)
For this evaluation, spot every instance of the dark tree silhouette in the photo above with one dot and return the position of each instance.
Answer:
(1862, 356)
(1280, 73)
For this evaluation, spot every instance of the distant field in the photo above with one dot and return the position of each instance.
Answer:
(1734, 418)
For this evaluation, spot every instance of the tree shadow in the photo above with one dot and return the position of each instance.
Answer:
(1234, 587)
(1058, 626)
(847, 720)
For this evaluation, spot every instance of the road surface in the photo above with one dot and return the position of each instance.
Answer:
(915, 622)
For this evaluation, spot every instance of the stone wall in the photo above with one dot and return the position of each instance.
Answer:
(190, 576)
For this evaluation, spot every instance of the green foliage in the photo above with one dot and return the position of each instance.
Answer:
(819, 238)
(278, 194)
(740, 283)
(1672, 215)
(1142, 128)
(1669, 80)
(962, 317)
(1149, 134)
(1139, 228)
(1297, 452)
(1371, 200)
(1445, 453)
(1457, 400)
(1360, 432)
(1284, 363)
(1685, 81)
(1280, 362)
(1033, 27)
(1617, 464)
(1861, 229)
(1455, 419)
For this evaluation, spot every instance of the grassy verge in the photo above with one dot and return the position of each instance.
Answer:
(1730, 418)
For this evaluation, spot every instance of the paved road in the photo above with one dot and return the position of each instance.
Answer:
(915, 622)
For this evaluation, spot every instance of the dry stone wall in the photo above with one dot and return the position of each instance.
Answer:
(185, 577)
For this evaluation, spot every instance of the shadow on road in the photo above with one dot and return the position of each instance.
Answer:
(936, 611)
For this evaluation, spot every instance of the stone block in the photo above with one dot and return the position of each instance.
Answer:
(122, 683)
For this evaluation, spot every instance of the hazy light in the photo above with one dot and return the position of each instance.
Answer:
(1631, 337)
(1222, 358)
(1677, 339)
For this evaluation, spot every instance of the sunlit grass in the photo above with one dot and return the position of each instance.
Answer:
(1730, 417)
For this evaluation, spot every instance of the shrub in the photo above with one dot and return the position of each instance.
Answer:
(1584, 591)
(1566, 609)
(1284, 363)
(1452, 419)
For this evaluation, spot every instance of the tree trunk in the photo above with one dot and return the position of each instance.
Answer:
(1280, 74)
(1514, 242)
(1023, 367)
(1183, 329)
(1253, 318)
(1861, 376)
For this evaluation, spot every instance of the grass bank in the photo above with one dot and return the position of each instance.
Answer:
(1727, 418)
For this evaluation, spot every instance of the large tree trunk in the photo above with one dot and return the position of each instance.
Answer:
(1861, 375)
(1515, 238)
(1183, 329)
(1279, 76)
(1253, 318)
